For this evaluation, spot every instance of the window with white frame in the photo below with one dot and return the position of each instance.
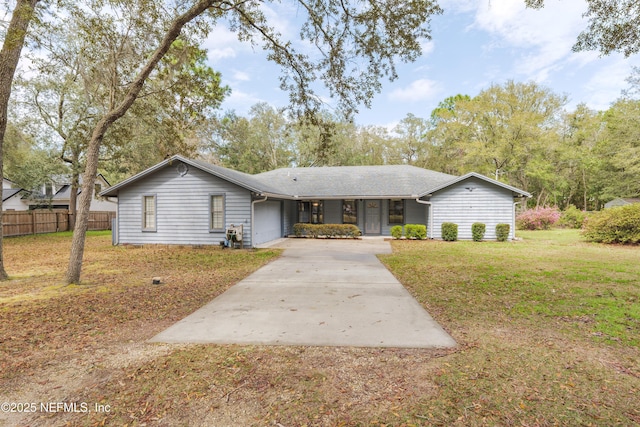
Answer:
(149, 213)
(216, 221)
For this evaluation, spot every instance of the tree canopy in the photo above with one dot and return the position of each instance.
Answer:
(613, 26)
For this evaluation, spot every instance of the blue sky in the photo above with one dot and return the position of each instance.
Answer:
(475, 43)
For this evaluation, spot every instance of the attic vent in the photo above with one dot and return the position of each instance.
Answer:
(182, 169)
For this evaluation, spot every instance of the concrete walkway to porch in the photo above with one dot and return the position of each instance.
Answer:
(320, 293)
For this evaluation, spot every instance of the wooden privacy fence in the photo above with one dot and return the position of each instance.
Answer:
(18, 223)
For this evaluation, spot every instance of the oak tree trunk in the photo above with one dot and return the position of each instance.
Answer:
(9, 57)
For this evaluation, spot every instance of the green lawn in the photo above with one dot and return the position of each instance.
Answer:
(550, 328)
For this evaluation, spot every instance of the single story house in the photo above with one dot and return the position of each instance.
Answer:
(185, 201)
(622, 202)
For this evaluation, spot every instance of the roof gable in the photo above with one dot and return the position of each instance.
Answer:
(239, 178)
(456, 180)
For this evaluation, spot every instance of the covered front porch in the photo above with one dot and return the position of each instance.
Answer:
(374, 217)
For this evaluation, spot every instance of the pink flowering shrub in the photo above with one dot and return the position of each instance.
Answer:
(538, 218)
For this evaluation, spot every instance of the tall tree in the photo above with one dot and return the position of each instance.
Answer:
(620, 150)
(255, 144)
(505, 132)
(614, 26)
(70, 87)
(358, 43)
(578, 166)
(410, 145)
(14, 40)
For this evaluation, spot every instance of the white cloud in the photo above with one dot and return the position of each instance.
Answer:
(241, 101)
(427, 46)
(606, 85)
(418, 90)
(222, 43)
(543, 38)
(241, 76)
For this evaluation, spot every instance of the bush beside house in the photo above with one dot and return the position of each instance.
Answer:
(614, 225)
(411, 231)
(326, 230)
(477, 231)
(449, 231)
(415, 231)
(502, 232)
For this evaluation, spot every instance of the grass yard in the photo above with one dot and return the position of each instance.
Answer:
(548, 327)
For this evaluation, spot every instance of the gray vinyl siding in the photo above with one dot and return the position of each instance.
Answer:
(486, 203)
(183, 208)
(333, 211)
(415, 213)
(290, 211)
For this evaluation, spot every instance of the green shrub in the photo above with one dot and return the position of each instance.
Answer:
(326, 230)
(396, 231)
(449, 231)
(614, 225)
(572, 217)
(416, 231)
(502, 232)
(477, 231)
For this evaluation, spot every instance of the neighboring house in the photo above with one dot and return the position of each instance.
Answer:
(55, 195)
(621, 202)
(183, 201)
(13, 198)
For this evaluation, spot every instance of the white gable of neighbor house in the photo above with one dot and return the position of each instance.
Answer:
(472, 200)
(15, 203)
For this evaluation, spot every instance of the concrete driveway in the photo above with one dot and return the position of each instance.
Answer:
(321, 293)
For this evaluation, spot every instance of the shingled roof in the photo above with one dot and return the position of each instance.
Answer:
(344, 182)
(337, 182)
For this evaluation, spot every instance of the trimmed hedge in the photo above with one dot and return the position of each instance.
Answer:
(614, 225)
(502, 232)
(449, 231)
(396, 231)
(415, 231)
(477, 231)
(326, 230)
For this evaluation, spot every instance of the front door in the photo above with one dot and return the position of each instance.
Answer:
(372, 216)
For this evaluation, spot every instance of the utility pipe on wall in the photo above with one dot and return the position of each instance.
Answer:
(513, 221)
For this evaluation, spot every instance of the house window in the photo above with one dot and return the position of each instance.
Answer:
(48, 189)
(396, 211)
(216, 203)
(349, 212)
(96, 190)
(311, 212)
(148, 213)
